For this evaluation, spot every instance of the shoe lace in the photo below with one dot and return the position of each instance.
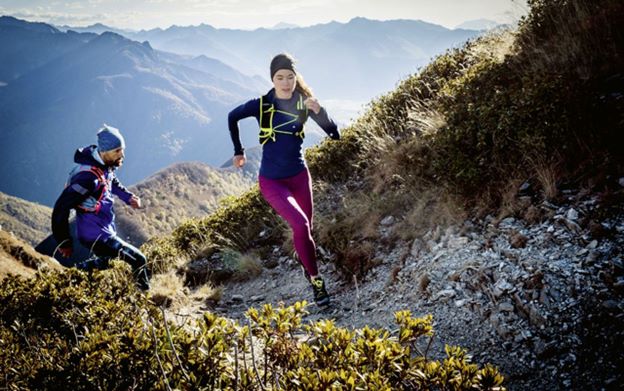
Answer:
(317, 283)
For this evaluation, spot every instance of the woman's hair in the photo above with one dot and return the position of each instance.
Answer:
(286, 61)
(303, 88)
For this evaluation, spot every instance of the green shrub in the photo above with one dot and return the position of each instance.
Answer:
(77, 331)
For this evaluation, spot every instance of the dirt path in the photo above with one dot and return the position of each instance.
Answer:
(533, 300)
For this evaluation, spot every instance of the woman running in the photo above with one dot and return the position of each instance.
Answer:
(284, 179)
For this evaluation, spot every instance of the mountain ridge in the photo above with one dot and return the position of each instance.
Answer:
(162, 106)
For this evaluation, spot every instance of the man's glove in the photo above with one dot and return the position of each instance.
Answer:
(66, 249)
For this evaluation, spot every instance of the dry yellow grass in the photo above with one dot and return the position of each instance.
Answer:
(27, 220)
(175, 194)
(18, 257)
(168, 290)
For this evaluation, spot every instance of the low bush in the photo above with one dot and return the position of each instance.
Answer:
(72, 330)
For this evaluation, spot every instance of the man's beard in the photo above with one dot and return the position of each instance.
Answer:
(118, 163)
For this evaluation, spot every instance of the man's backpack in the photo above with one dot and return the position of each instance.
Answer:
(93, 203)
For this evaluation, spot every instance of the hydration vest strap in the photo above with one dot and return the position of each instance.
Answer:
(100, 175)
(267, 110)
(92, 204)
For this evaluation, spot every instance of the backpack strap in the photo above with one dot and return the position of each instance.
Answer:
(267, 110)
(93, 202)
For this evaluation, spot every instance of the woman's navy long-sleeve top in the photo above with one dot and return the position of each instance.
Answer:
(283, 157)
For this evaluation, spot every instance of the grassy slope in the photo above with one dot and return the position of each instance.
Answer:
(28, 220)
(458, 138)
(177, 193)
(18, 257)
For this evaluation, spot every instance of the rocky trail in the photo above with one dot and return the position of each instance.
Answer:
(542, 301)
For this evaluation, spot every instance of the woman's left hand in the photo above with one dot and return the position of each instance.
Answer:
(313, 104)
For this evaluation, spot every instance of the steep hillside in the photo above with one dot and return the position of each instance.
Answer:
(27, 220)
(19, 258)
(175, 194)
(492, 180)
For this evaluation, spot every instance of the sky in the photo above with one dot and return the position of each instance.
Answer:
(252, 14)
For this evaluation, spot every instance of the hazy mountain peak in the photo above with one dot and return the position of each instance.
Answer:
(98, 26)
(111, 39)
(360, 19)
(284, 25)
(10, 21)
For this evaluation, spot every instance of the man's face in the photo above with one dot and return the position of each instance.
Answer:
(113, 158)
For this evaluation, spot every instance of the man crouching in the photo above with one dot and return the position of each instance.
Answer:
(89, 190)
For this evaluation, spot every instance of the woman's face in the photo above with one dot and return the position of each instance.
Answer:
(284, 82)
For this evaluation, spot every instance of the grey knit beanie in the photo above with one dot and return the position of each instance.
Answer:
(109, 138)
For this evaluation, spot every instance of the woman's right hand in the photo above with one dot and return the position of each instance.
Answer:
(239, 160)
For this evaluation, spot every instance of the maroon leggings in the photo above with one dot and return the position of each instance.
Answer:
(292, 199)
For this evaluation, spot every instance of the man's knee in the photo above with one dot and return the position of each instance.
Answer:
(133, 256)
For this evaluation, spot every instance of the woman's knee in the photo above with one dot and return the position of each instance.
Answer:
(301, 227)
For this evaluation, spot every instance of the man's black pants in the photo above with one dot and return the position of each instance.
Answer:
(115, 247)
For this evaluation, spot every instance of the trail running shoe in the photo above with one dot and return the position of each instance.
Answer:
(320, 293)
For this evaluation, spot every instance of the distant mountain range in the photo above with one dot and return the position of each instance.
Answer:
(61, 87)
(356, 60)
(58, 87)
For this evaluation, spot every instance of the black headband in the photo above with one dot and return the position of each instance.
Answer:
(282, 61)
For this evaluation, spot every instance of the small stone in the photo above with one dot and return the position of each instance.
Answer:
(497, 292)
(257, 298)
(504, 331)
(508, 221)
(460, 303)
(572, 214)
(506, 306)
(388, 220)
(445, 295)
(592, 245)
(504, 285)
(526, 186)
(535, 317)
(416, 247)
(237, 298)
(610, 305)
(621, 181)
(550, 229)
